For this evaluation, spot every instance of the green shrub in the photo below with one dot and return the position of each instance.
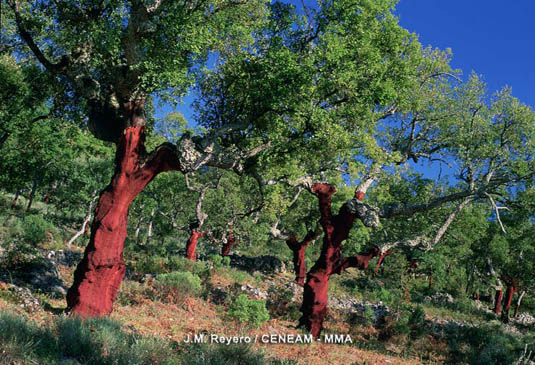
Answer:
(386, 296)
(222, 355)
(153, 265)
(177, 286)
(132, 293)
(177, 263)
(417, 321)
(248, 310)
(216, 260)
(35, 228)
(280, 303)
(73, 341)
(226, 261)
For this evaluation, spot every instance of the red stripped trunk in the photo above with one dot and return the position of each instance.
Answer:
(98, 276)
(336, 229)
(298, 250)
(380, 261)
(498, 301)
(512, 287)
(191, 246)
(509, 292)
(231, 241)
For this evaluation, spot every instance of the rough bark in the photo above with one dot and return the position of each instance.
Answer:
(191, 245)
(98, 276)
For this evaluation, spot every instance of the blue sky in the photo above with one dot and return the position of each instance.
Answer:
(493, 38)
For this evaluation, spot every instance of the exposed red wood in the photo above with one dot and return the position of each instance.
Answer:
(191, 245)
(98, 276)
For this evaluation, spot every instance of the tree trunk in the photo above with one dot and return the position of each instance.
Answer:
(149, 227)
(3, 138)
(298, 250)
(380, 262)
(336, 230)
(518, 302)
(498, 301)
(230, 242)
(98, 276)
(191, 245)
(16, 198)
(32, 192)
(85, 224)
(509, 292)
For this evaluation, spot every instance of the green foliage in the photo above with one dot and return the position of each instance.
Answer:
(70, 340)
(280, 303)
(183, 283)
(155, 264)
(488, 344)
(248, 310)
(35, 229)
(216, 260)
(226, 355)
(417, 321)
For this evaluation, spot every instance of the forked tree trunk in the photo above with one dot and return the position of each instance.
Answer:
(498, 301)
(230, 242)
(299, 250)
(191, 245)
(98, 276)
(336, 230)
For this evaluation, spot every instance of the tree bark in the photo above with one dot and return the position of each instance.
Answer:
(98, 276)
(191, 246)
(149, 227)
(512, 287)
(85, 223)
(229, 243)
(380, 261)
(35, 184)
(336, 230)
(498, 301)
(518, 302)
(16, 198)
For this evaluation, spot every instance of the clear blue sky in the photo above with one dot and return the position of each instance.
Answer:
(493, 38)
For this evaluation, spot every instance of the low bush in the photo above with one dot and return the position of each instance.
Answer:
(177, 286)
(248, 310)
(35, 229)
(73, 341)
